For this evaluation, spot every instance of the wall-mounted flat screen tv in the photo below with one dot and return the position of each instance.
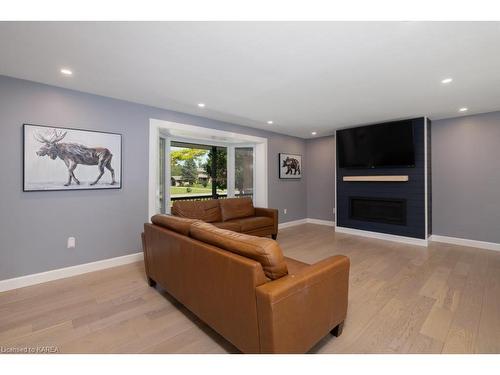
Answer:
(384, 145)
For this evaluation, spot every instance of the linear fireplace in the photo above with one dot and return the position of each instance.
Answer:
(380, 210)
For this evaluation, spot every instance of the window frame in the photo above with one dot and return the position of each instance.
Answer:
(230, 165)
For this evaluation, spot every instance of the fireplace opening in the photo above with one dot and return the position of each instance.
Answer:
(380, 210)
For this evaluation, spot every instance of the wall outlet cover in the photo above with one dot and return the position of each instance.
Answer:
(71, 242)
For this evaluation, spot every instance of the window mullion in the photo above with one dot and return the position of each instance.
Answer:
(231, 160)
(214, 172)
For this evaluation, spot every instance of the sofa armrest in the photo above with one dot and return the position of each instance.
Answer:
(296, 311)
(268, 212)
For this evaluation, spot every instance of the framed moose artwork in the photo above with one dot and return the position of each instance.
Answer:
(290, 166)
(70, 159)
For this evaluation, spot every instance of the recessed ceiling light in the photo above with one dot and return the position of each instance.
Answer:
(201, 105)
(66, 72)
(314, 133)
(447, 80)
(463, 109)
(270, 122)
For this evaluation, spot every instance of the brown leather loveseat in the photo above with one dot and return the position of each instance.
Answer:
(236, 214)
(244, 288)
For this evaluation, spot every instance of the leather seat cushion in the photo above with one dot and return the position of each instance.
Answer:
(233, 225)
(208, 211)
(252, 223)
(264, 250)
(177, 224)
(236, 208)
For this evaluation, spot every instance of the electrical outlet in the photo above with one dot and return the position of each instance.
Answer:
(71, 242)
(284, 211)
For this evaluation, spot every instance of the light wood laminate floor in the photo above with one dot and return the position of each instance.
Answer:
(402, 299)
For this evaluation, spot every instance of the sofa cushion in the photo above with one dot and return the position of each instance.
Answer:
(233, 225)
(208, 211)
(249, 224)
(264, 250)
(236, 208)
(177, 224)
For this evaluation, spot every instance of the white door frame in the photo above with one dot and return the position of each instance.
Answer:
(174, 130)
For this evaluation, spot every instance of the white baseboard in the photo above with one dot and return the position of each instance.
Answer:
(382, 236)
(22, 281)
(329, 223)
(306, 221)
(61, 273)
(292, 223)
(465, 242)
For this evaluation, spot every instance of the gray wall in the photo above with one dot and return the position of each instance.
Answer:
(320, 170)
(34, 226)
(466, 177)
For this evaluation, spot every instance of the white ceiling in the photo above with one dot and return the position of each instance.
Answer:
(304, 76)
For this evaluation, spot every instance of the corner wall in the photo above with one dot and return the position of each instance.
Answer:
(466, 177)
(320, 176)
(34, 226)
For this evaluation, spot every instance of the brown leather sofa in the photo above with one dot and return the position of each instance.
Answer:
(236, 214)
(244, 288)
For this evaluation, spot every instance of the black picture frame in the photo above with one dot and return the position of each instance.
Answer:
(291, 171)
(119, 184)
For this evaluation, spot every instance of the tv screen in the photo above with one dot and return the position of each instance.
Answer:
(377, 146)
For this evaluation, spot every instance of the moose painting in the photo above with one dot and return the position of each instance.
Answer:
(70, 159)
(290, 166)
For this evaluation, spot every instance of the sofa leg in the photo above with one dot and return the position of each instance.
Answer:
(337, 331)
(151, 282)
(274, 236)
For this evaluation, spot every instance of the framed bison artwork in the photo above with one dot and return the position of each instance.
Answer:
(290, 166)
(70, 159)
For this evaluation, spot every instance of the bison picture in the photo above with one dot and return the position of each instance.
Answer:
(290, 166)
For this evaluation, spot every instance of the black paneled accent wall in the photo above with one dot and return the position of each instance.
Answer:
(413, 192)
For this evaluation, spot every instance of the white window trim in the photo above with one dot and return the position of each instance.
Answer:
(184, 132)
(252, 146)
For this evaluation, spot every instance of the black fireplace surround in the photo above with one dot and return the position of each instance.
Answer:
(379, 210)
(395, 208)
